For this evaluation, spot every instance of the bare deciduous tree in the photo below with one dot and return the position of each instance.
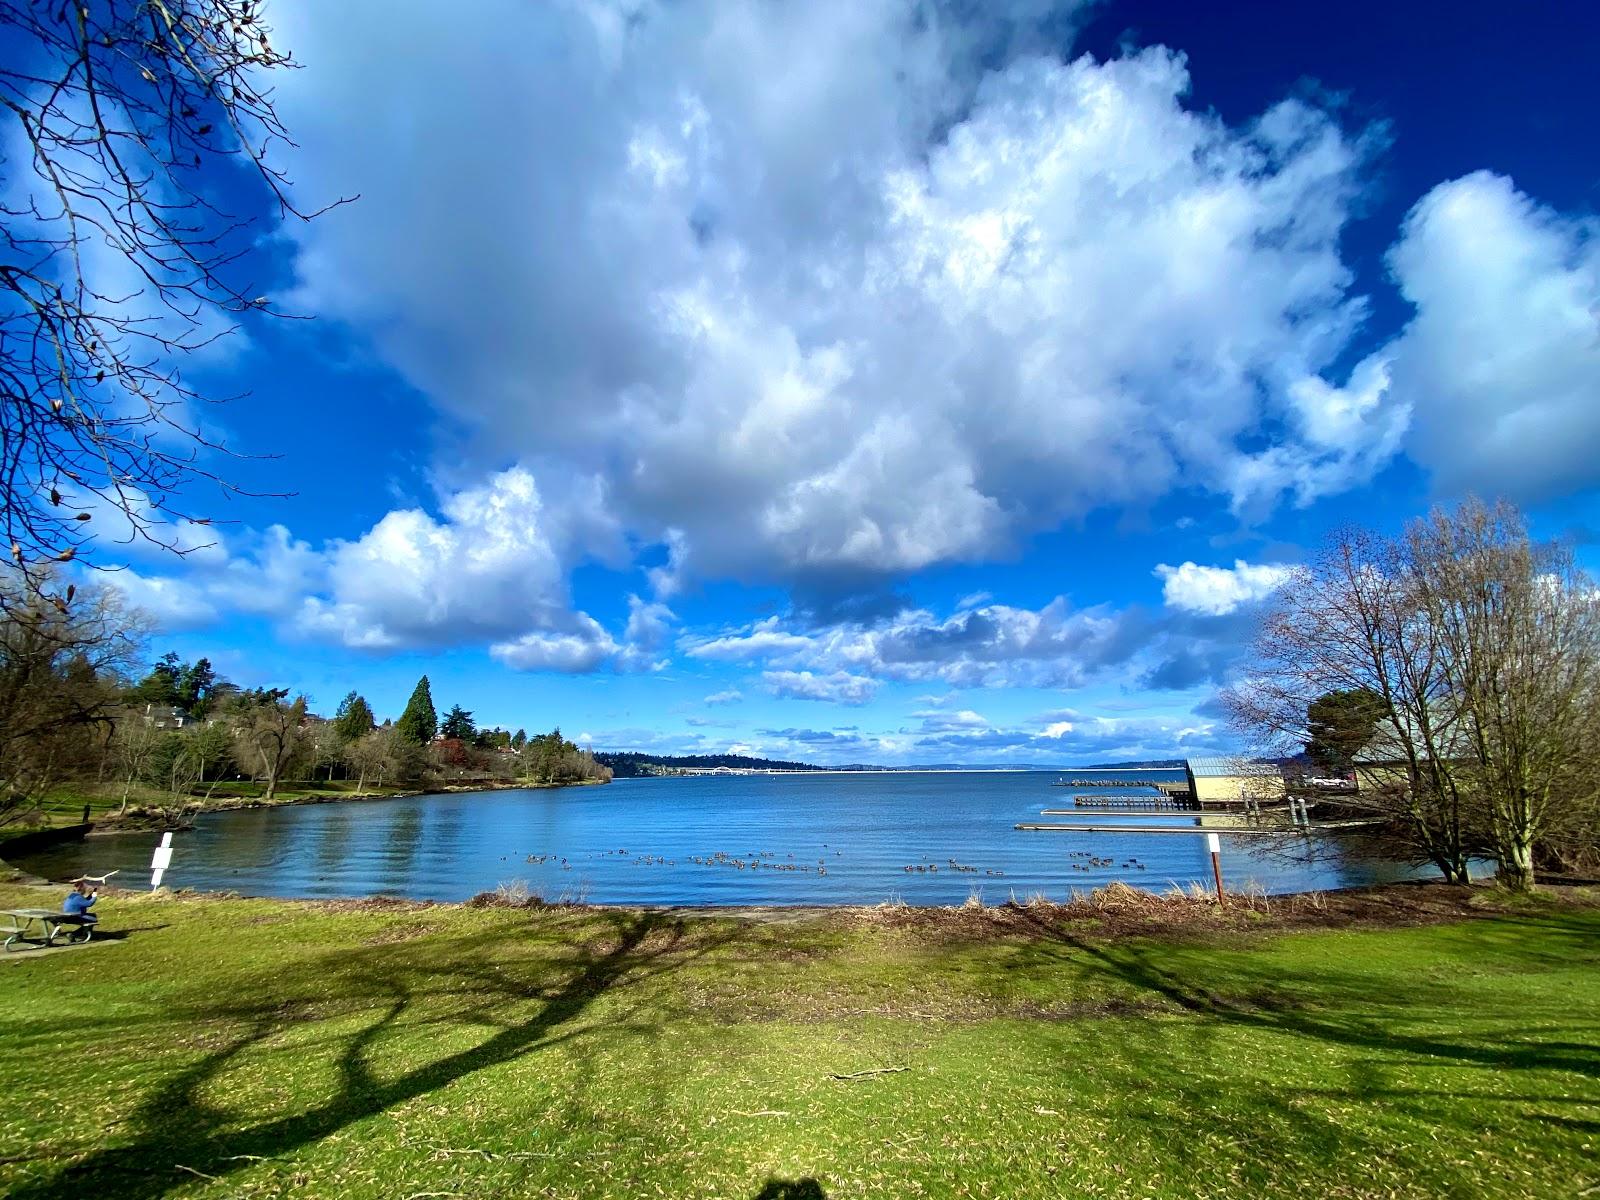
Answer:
(1519, 626)
(267, 734)
(374, 756)
(172, 769)
(120, 254)
(58, 669)
(1485, 651)
(1347, 621)
(133, 747)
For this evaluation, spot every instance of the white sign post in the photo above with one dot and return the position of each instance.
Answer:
(160, 860)
(1214, 844)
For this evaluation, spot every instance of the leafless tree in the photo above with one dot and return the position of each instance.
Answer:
(120, 255)
(1348, 620)
(374, 756)
(1485, 650)
(172, 771)
(267, 735)
(324, 747)
(132, 747)
(60, 669)
(1519, 627)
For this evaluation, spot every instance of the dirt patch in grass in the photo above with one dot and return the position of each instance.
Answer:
(398, 933)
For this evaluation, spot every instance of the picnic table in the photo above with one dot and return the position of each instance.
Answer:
(38, 927)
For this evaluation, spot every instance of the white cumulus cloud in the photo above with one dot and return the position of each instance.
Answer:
(840, 687)
(583, 648)
(1217, 591)
(1502, 362)
(902, 307)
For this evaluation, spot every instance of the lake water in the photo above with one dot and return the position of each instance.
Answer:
(818, 839)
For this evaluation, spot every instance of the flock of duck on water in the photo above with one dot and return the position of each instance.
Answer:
(758, 859)
(1091, 863)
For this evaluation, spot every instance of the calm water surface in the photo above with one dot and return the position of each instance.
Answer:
(635, 841)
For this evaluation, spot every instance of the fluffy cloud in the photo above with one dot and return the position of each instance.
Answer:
(1084, 735)
(1491, 385)
(582, 649)
(1052, 739)
(961, 720)
(839, 687)
(1502, 362)
(491, 567)
(995, 645)
(172, 603)
(1345, 435)
(899, 308)
(1081, 739)
(265, 574)
(1217, 591)
(493, 564)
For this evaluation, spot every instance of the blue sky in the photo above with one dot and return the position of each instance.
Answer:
(878, 381)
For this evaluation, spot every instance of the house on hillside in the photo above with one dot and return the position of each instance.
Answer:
(1233, 780)
(165, 716)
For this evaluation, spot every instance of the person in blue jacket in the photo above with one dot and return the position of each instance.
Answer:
(80, 900)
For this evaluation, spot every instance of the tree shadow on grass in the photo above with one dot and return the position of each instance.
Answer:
(1419, 1050)
(530, 1007)
(792, 1189)
(1288, 1003)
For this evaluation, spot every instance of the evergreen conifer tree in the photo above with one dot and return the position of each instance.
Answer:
(458, 724)
(354, 720)
(420, 721)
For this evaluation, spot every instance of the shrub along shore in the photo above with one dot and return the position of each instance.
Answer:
(1405, 1041)
(107, 813)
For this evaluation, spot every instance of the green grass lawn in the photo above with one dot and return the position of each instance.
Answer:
(257, 1048)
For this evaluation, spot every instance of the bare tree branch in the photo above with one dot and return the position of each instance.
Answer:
(119, 257)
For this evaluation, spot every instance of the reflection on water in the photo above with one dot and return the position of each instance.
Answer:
(809, 839)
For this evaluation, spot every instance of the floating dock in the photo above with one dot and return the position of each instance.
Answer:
(1155, 810)
(1225, 830)
(1169, 804)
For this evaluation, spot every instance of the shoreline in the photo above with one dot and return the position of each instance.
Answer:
(1400, 903)
(1076, 898)
(702, 772)
(243, 803)
(111, 826)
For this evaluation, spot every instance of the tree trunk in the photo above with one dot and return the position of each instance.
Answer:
(1516, 865)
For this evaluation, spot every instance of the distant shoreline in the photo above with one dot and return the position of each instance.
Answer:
(683, 772)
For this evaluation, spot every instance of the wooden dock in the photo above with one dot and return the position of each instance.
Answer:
(1173, 801)
(1161, 785)
(1157, 810)
(1225, 830)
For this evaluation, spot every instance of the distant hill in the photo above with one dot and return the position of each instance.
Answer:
(1153, 764)
(627, 764)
